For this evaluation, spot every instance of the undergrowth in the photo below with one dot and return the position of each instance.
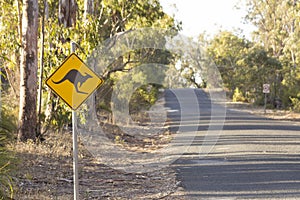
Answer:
(7, 128)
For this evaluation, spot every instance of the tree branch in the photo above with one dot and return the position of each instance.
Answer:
(119, 69)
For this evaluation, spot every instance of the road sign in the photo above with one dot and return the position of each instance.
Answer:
(266, 88)
(73, 81)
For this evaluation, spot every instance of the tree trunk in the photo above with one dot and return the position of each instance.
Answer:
(67, 12)
(88, 9)
(28, 71)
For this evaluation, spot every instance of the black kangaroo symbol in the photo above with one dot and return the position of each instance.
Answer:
(75, 77)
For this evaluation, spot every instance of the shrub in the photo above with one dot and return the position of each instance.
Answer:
(238, 96)
(7, 126)
(295, 104)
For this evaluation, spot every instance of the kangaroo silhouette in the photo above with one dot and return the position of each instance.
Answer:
(75, 77)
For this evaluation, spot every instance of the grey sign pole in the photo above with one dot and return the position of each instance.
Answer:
(266, 90)
(75, 146)
(265, 105)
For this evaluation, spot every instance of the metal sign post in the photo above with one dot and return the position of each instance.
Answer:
(265, 105)
(266, 90)
(74, 82)
(75, 147)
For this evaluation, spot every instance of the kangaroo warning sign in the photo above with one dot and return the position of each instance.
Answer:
(73, 81)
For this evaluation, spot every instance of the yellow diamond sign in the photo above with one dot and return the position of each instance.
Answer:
(73, 81)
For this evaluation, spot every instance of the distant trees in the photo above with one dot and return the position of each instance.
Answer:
(244, 66)
(272, 57)
(278, 31)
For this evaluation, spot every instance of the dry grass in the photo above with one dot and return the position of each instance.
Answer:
(45, 172)
(40, 165)
(55, 146)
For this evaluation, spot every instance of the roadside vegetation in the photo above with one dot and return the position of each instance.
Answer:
(7, 157)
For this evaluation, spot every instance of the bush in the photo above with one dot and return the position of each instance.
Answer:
(238, 96)
(7, 126)
(295, 104)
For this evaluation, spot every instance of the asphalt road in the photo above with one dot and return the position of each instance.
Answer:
(250, 158)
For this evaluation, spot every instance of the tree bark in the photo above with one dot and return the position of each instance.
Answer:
(28, 71)
(67, 12)
(88, 9)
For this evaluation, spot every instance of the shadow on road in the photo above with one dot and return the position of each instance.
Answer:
(253, 158)
(242, 177)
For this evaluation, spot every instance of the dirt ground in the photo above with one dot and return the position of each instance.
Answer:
(45, 171)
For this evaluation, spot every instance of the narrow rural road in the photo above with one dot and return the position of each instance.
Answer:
(252, 158)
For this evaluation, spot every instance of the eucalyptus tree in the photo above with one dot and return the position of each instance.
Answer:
(28, 71)
(244, 65)
(278, 31)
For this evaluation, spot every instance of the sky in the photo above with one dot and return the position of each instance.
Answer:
(210, 16)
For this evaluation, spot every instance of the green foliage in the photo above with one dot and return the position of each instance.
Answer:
(143, 98)
(10, 40)
(60, 117)
(238, 96)
(107, 19)
(295, 104)
(139, 87)
(228, 50)
(119, 140)
(244, 65)
(10, 36)
(191, 62)
(278, 32)
(7, 127)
